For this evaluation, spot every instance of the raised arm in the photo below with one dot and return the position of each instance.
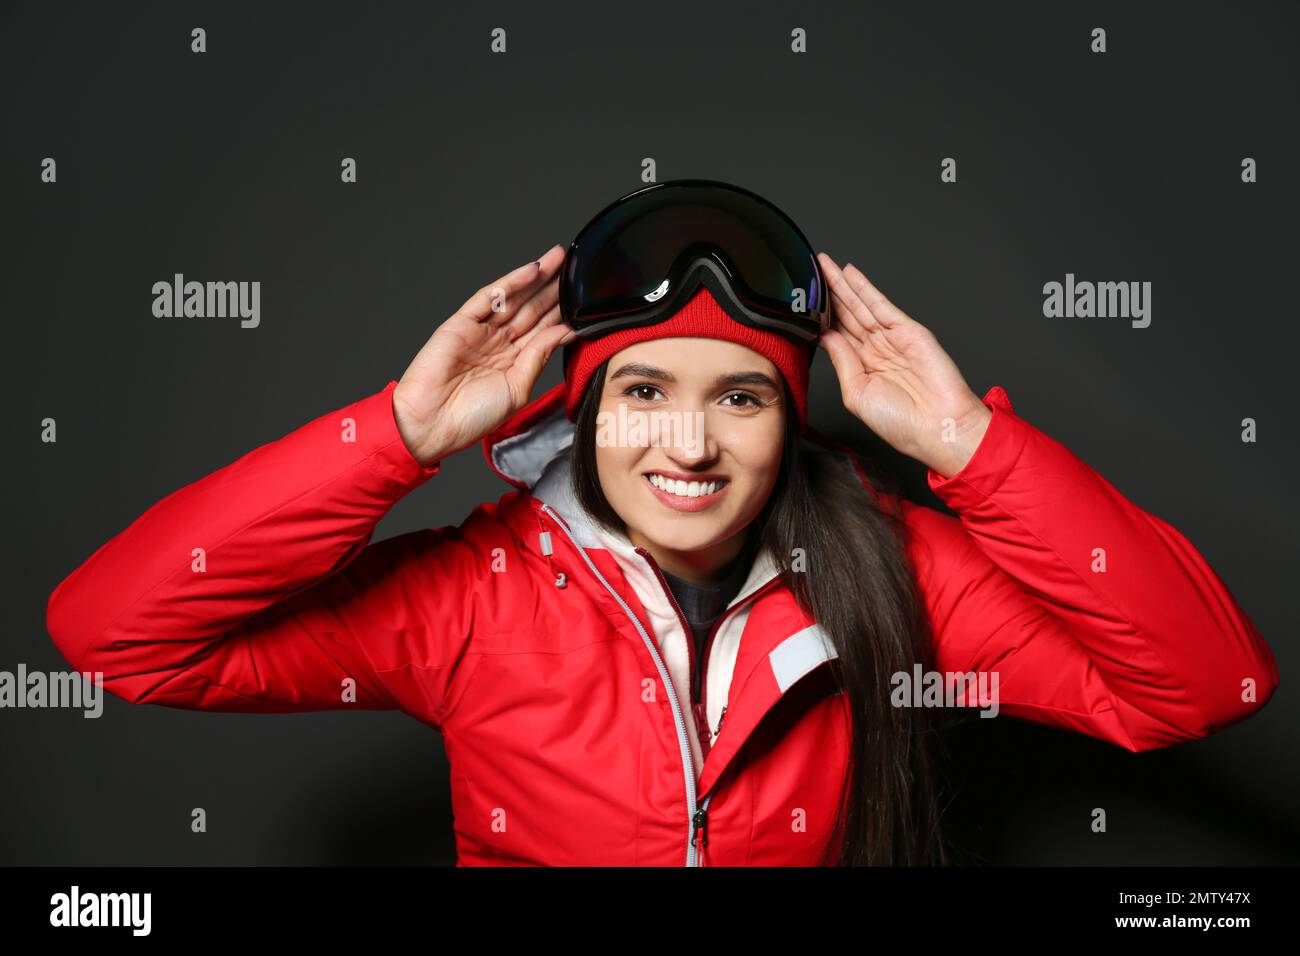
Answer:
(256, 589)
(1097, 615)
(252, 589)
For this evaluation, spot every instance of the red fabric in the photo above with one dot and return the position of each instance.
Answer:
(701, 317)
(557, 724)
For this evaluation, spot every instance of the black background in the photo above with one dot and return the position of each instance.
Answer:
(1123, 166)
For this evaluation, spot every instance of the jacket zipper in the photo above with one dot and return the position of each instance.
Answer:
(710, 734)
(707, 732)
(708, 652)
(694, 814)
(699, 829)
(692, 685)
(700, 817)
(699, 707)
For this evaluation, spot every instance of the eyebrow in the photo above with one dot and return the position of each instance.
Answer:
(640, 370)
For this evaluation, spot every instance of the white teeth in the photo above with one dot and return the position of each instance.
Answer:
(692, 489)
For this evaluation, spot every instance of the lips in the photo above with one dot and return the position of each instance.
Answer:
(684, 502)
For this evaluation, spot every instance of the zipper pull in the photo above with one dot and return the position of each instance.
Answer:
(701, 818)
(721, 717)
(544, 539)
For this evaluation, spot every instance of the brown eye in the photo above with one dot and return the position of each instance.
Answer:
(752, 398)
(637, 388)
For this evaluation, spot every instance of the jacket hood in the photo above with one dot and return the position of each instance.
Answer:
(530, 451)
(520, 448)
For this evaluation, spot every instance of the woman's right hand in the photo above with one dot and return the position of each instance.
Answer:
(480, 365)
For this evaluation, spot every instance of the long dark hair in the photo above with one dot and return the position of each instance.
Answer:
(869, 607)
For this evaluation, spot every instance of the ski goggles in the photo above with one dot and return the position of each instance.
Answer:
(641, 258)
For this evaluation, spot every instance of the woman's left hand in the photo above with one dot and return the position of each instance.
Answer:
(896, 378)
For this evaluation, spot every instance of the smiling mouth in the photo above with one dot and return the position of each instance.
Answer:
(686, 490)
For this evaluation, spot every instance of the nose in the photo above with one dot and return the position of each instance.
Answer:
(688, 439)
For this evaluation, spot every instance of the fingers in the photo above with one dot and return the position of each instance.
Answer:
(884, 311)
(846, 361)
(525, 317)
(535, 349)
(549, 318)
(853, 312)
(512, 290)
(842, 318)
(869, 305)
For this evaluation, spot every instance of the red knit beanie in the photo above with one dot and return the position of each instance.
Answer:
(701, 317)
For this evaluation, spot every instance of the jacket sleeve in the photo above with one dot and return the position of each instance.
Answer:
(254, 589)
(1097, 616)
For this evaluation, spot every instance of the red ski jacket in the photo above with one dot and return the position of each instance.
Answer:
(551, 658)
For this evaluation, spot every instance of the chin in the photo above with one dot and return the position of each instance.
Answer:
(684, 542)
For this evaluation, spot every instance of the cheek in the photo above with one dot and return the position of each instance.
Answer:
(758, 448)
(758, 452)
(615, 467)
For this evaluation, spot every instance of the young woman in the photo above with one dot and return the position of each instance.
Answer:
(707, 649)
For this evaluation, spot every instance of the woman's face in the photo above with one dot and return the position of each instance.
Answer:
(722, 418)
